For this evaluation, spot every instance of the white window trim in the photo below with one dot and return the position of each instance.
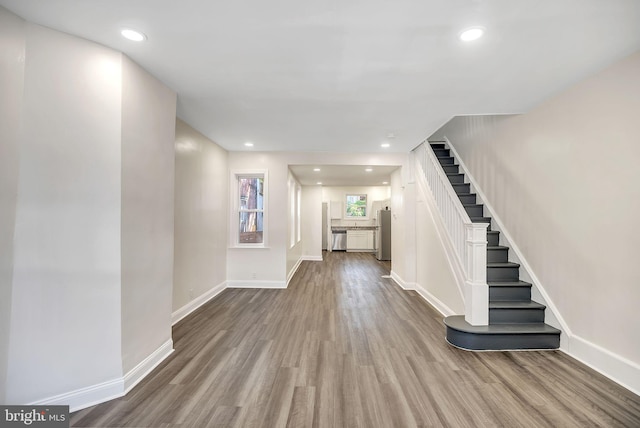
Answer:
(234, 205)
(345, 208)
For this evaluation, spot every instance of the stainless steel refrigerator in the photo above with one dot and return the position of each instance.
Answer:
(383, 235)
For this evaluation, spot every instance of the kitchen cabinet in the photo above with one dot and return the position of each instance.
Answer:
(360, 240)
(336, 209)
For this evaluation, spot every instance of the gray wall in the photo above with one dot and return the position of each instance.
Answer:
(201, 215)
(65, 326)
(86, 224)
(148, 133)
(12, 47)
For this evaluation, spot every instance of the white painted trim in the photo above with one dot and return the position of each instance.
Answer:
(234, 207)
(139, 372)
(109, 390)
(312, 258)
(499, 225)
(424, 294)
(256, 284)
(197, 302)
(85, 397)
(434, 301)
(293, 271)
(404, 285)
(624, 372)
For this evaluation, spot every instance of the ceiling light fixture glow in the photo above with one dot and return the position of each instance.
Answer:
(385, 182)
(133, 35)
(471, 34)
(316, 169)
(248, 144)
(385, 145)
(369, 169)
(319, 182)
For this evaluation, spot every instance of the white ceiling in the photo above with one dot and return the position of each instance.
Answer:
(343, 175)
(340, 75)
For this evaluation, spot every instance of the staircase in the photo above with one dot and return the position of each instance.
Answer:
(515, 321)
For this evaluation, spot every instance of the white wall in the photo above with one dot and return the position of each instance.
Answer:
(295, 251)
(339, 193)
(564, 180)
(148, 135)
(65, 328)
(201, 216)
(12, 47)
(435, 279)
(403, 231)
(268, 267)
(311, 218)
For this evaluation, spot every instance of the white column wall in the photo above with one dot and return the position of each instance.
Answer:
(402, 259)
(201, 216)
(65, 328)
(12, 50)
(148, 137)
(312, 222)
(295, 251)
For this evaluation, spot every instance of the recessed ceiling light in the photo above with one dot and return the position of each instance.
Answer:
(471, 34)
(385, 182)
(319, 182)
(316, 169)
(133, 35)
(385, 145)
(369, 169)
(248, 144)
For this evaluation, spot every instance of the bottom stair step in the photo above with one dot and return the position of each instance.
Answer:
(496, 337)
(511, 312)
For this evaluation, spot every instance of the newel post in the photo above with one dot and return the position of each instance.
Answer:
(476, 311)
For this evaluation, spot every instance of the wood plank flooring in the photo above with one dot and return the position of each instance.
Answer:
(344, 347)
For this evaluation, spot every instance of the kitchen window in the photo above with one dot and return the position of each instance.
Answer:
(356, 206)
(249, 217)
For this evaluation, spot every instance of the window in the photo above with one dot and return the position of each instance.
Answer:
(250, 204)
(356, 206)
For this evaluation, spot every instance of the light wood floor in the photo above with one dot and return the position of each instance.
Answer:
(344, 347)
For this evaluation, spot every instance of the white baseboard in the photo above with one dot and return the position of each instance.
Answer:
(422, 292)
(434, 301)
(402, 283)
(294, 270)
(197, 302)
(85, 397)
(299, 262)
(105, 391)
(617, 368)
(256, 284)
(139, 372)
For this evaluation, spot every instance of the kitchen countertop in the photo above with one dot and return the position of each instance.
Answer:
(343, 228)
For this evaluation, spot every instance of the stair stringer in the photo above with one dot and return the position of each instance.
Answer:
(538, 293)
(455, 264)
